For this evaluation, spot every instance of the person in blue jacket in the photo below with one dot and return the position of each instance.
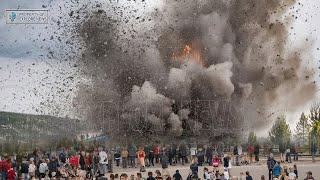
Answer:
(277, 170)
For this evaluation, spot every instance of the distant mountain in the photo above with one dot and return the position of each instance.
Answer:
(18, 127)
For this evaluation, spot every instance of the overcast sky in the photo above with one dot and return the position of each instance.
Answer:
(30, 82)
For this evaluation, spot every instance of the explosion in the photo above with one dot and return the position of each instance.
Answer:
(149, 75)
(188, 54)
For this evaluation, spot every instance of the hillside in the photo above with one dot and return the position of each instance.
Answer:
(17, 127)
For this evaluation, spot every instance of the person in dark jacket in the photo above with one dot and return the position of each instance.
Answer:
(117, 157)
(82, 161)
(53, 166)
(270, 164)
(150, 176)
(164, 160)
(256, 153)
(248, 176)
(183, 153)
(209, 154)
(24, 169)
(132, 156)
(151, 157)
(177, 175)
(194, 168)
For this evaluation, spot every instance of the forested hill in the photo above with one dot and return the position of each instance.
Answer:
(18, 127)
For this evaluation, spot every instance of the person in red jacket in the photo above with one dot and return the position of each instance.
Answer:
(11, 175)
(156, 151)
(250, 151)
(5, 165)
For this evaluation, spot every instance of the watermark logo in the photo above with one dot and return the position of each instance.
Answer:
(13, 16)
(26, 16)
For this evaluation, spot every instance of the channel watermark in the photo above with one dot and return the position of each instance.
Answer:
(26, 16)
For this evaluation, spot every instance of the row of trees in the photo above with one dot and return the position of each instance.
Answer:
(306, 134)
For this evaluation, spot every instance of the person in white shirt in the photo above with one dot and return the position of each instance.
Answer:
(206, 174)
(292, 175)
(32, 169)
(103, 162)
(43, 168)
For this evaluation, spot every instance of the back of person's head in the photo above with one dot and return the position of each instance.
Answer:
(271, 155)
(262, 177)
(309, 174)
(150, 173)
(177, 171)
(139, 175)
(132, 177)
(247, 173)
(290, 169)
(123, 176)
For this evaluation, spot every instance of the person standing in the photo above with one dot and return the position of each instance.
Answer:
(194, 168)
(270, 164)
(147, 152)
(164, 160)
(288, 155)
(209, 155)
(141, 157)
(156, 151)
(132, 156)
(53, 166)
(117, 157)
(82, 160)
(32, 169)
(43, 169)
(250, 151)
(151, 157)
(124, 157)
(295, 170)
(103, 162)
(256, 153)
(183, 153)
(277, 170)
(24, 169)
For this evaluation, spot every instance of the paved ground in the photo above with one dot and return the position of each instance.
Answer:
(256, 170)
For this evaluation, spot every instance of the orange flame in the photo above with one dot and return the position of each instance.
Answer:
(188, 54)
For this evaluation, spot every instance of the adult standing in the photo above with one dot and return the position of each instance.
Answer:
(164, 160)
(141, 157)
(270, 164)
(132, 155)
(151, 157)
(183, 153)
(156, 151)
(103, 162)
(124, 157)
(250, 151)
(256, 152)
(209, 155)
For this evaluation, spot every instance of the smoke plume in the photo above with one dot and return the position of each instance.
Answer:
(184, 67)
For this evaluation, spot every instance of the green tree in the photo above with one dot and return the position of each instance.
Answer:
(252, 138)
(303, 129)
(315, 113)
(315, 129)
(280, 133)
